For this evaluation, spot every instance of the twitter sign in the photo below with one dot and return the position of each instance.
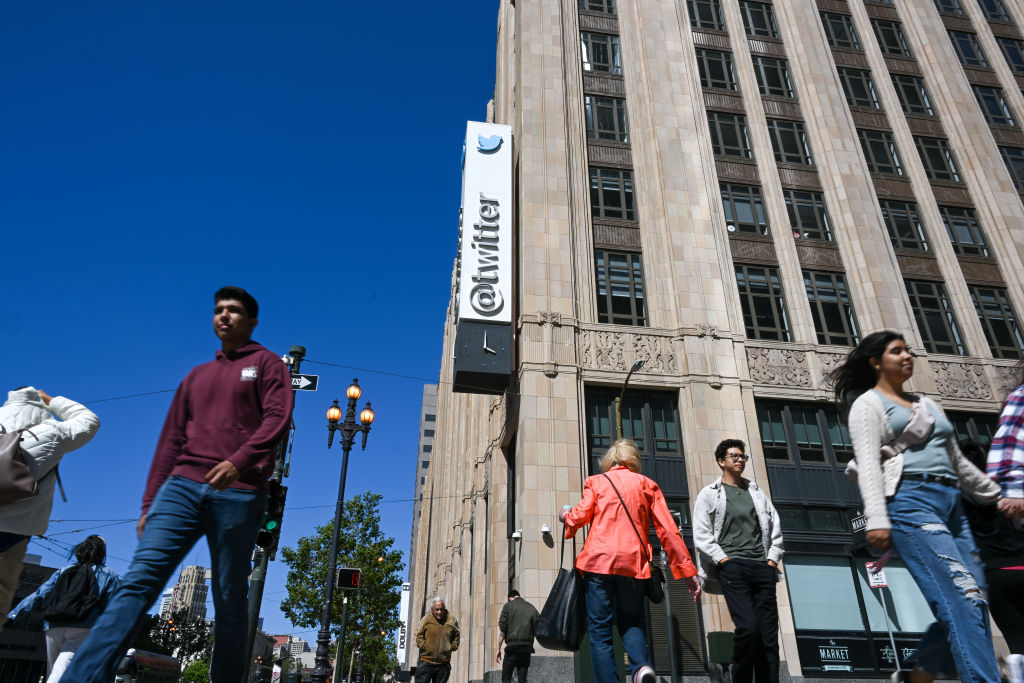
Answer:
(485, 248)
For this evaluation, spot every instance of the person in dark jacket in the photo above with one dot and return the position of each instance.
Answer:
(516, 626)
(64, 637)
(208, 478)
(437, 637)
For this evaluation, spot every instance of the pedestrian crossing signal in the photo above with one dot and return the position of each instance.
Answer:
(347, 579)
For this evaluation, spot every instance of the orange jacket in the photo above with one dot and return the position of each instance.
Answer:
(612, 546)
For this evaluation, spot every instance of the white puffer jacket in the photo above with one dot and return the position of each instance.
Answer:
(45, 445)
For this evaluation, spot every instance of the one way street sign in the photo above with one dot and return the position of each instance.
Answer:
(305, 382)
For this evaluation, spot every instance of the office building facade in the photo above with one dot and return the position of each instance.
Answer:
(735, 192)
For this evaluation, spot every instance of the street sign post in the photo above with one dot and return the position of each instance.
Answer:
(305, 382)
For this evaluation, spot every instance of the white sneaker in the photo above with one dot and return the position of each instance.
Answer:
(645, 674)
(1014, 668)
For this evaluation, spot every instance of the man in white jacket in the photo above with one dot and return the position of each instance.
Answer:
(739, 545)
(45, 444)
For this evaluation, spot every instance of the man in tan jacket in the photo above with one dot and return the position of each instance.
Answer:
(437, 637)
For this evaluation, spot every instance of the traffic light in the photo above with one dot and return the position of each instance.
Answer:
(347, 579)
(270, 527)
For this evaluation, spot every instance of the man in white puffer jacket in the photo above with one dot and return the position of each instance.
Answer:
(45, 444)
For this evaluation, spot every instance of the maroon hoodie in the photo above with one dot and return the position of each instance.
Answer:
(234, 408)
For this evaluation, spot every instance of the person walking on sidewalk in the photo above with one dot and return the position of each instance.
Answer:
(208, 478)
(437, 637)
(516, 629)
(738, 538)
(912, 502)
(44, 443)
(619, 505)
(65, 632)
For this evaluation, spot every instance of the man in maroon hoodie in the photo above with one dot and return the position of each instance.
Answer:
(208, 478)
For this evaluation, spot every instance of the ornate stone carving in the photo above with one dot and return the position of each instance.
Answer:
(1007, 379)
(829, 362)
(706, 330)
(780, 367)
(961, 380)
(551, 317)
(657, 351)
(604, 350)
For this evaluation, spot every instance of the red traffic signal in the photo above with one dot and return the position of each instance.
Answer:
(347, 579)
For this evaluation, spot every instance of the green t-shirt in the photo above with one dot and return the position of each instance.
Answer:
(741, 532)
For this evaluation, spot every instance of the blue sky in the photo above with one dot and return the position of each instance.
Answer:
(151, 152)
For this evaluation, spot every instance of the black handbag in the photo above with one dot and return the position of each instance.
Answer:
(655, 586)
(563, 620)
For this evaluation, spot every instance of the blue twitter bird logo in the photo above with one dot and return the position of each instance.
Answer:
(488, 144)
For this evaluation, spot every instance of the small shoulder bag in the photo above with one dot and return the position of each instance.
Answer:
(655, 588)
(918, 430)
(16, 479)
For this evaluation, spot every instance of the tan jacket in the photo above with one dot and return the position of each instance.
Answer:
(437, 640)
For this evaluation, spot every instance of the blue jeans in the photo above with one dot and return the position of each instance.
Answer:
(619, 599)
(932, 536)
(182, 512)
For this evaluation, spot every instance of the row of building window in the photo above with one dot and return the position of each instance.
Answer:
(994, 10)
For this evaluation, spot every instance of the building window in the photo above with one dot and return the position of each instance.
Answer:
(620, 288)
(423, 480)
(903, 225)
(773, 77)
(803, 433)
(964, 231)
(994, 10)
(429, 417)
(808, 216)
(427, 448)
(949, 6)
(934, 316)
(937, 158)
(880, 151)
(706, 15)
(859, 88)
(602, 6)
(744, 211)
(831, 308)
(606, 118)
(1013, 50)
(912, 94)
(764, 311)
(994, 106)
(1013, 157)
(1002, 329)
(716, 69)
(424, 464)
(758, 19)
(789, 142)
(968, 49)
(839, 31)
(611, 193)
(729, 134)
(601, 52)
(891, 38)
(428, 432)
(978, 427)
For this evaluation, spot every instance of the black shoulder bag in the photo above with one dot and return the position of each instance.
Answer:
(563, 619)
(655, 587)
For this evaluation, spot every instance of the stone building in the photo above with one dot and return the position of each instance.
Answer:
(734, 192)
(191, 591)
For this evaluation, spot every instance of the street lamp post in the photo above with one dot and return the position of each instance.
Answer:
(348, 428)
(637, 364)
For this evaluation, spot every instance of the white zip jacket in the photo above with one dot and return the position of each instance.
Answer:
(708, 520)
(45, 444)
(878, 479)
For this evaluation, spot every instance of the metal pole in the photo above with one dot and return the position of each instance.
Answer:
(261, 558)
(341, 640)
(360, 672)
(322, 670)
(888, 625)
(669, 624)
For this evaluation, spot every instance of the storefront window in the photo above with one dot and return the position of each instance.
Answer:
(822, 593)
(908, 610)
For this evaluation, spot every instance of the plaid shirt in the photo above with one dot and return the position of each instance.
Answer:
(1006, 455)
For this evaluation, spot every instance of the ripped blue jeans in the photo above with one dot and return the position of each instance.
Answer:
(932, 536)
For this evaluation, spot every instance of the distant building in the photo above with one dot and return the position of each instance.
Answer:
(263, 654)
(190, 593)
(23, 653)
(166, 603)
(425, 448)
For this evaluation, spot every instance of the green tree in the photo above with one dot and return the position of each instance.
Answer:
(373, 609)
(196, 672)
(177, 636)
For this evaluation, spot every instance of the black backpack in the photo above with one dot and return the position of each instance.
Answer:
(73, 598)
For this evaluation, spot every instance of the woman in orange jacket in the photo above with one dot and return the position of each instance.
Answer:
(614, 563)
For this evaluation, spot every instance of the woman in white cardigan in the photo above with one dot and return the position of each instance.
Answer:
(912, 501)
